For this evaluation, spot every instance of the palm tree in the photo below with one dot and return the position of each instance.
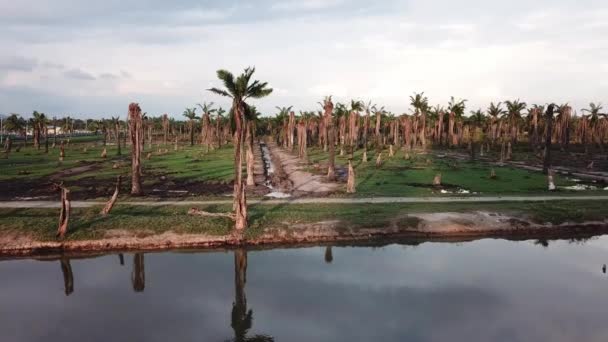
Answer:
(421, 106)
(476, 122)
(534, 115)
(547, 159)
(218, 121)
(37, 122)
(494, 111)
(239, 90)
(207, 109)
(514, 109)
(456, 109)
(594, 114)
(190, 113)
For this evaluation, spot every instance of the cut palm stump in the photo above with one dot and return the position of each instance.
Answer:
(64, 214)
(106, 210)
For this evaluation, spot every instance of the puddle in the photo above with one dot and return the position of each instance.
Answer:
(268, 172)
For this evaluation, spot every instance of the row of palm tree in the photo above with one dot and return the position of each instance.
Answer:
(448, 127)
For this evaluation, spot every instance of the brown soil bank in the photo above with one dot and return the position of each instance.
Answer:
(420, 227)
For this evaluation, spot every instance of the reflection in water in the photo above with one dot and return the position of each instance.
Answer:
(329, 257)
(542, 242)
(241, 318)
(68, 277)
(486, 290)
(121, 258)
(138, 276)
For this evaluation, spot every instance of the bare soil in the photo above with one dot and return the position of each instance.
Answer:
(293, 168)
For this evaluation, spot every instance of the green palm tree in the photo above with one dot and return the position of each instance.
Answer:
(219, 118)
(456, 111)
(190, 113)
(476, 121)
(239, 90)
(495, 111)
(514, 109)
(594, 120)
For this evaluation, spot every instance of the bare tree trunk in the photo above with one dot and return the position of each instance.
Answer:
(547, 157)
(350, 183)
(331, 143)
(250, 156)
(136, 132)
(106, 210)
(64, 214)
(240, 200)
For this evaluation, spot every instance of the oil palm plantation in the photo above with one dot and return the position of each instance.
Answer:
(240, 89)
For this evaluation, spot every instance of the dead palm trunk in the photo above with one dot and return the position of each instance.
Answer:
(106, 210)
(64, 214)
(350, 183)
(117, 131)
(136, 132)
(240, 200)
(378, 133)
(250, 156)
(290, 129)
(547, 157)
(165, 128)
(329, 124)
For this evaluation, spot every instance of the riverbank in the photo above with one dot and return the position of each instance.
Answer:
(32, 231)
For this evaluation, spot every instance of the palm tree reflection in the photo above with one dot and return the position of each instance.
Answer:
(242, 318)
(329, 257)
(138, 276)
(68, 277)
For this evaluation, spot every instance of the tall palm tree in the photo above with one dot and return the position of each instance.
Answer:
(495, 111)
(190, 113)
(421, 106)
(549, 119)
(476, 121)
(456, 111)
(594, 119)
(218, 123)
(514, 109)
(207, 109)
(239, 90)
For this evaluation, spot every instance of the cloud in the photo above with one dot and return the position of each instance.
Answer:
(78, 74)
(17, 63)
(305, 5)
(382, 51)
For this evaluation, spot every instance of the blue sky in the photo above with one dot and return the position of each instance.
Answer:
(94, 58)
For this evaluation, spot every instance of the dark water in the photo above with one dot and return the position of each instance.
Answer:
(487, 290)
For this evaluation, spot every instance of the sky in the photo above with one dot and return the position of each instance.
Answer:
(91, 59)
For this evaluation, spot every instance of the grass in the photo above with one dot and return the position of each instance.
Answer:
(396, 176)
(86, 223)
(414, 177)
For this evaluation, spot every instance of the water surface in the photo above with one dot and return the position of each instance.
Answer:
(475, 291)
